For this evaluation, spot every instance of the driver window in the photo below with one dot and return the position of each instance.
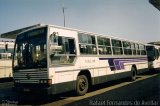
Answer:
(62, 50)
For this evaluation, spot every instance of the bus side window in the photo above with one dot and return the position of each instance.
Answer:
(104, 46)
(87, 44)
(137, 49)
(127, 48)
(142, 49)
(117, 47)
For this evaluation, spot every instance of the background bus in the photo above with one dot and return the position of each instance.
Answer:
(51, 59)
(6, 53)
(153, 52)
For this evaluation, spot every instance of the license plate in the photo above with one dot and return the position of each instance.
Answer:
(26, 90)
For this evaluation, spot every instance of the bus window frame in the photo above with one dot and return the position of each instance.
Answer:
(87, 44)
(104, 45)
(52, 55)
(115, 46)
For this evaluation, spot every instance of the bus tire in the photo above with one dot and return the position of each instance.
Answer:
(82, 85)
(133, 74)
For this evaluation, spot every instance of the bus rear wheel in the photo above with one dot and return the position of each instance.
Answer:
(82, 85)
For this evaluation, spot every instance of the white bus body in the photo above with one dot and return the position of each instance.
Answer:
(153, 53)
(64, 59)
(6, 51)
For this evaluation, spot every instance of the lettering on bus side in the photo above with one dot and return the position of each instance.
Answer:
(89, 61)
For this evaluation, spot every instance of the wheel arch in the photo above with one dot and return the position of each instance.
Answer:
(135, 68)
(87, 74)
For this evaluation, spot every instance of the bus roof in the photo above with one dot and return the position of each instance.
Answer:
(13, 34)
(92, 33)
(80, 31)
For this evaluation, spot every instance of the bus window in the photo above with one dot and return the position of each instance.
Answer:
(127, 48)
(133, 48)
(63, 52)
(137, 49)
(142, 49)
(104, 46)
(87, 44)
(143, 52)
(117, 47)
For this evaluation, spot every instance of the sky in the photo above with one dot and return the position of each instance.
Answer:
(136, 20)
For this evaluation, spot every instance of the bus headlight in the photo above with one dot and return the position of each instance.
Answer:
(16, 81)
(45, 81)
(49, 81)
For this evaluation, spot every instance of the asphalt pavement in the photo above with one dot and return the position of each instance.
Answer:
(144, 91)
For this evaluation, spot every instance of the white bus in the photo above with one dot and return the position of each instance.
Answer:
(153, 53)
(52, 59)
(6, 52)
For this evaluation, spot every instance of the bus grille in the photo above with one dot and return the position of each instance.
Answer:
(30, 75)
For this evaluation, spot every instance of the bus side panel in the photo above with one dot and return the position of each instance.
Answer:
(142, 67)
(156, 63)
(103, 72)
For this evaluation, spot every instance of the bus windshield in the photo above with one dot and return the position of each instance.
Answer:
(31, 50)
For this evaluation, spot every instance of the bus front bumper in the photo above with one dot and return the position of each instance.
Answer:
(37, 90)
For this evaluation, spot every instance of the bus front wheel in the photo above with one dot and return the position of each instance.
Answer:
(82, 85)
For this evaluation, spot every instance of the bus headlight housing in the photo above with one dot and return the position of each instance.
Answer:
(45, 81)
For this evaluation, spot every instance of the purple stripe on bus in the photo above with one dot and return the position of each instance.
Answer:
(118, 63)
